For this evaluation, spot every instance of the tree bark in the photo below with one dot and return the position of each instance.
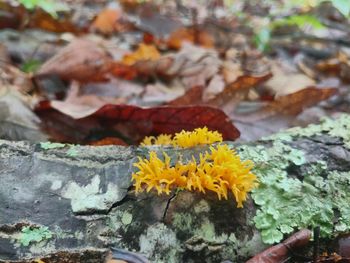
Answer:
(81, 197)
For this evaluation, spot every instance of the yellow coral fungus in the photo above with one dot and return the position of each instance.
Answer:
(162, 139)
(220, 170)
(185, 139)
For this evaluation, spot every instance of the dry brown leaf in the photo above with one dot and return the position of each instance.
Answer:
(41, 19)
(158, 93)
(293, 104)
(191, 97)
(283, 83)
(80, 106)
(194, 65)
(83, 60)
(144, 52)
(233, 90)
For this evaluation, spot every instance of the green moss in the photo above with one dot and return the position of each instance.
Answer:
(34, 235)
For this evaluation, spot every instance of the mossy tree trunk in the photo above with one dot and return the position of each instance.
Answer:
(75, 202)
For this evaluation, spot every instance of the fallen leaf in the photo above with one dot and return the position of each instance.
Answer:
(191, 35)
(124, 71)
(158, 93)
(292, 104)
(17, 121)
(230, 92)
(106, 21)
(109, 141)
(194, 65)
(283, 83)
(45, 21)
(132, 123)
(215, 86)
(192, 96)
(82, 60)
(77, 105)
(143, 52)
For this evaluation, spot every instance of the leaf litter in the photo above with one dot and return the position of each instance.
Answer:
(113, 73)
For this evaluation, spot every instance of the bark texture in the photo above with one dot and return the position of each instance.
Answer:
(75, 202)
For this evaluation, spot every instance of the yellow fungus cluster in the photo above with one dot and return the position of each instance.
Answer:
(220, 170)
(185, 139)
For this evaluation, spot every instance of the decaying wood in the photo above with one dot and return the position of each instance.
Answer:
(83, 195)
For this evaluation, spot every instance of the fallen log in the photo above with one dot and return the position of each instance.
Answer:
(71, 203)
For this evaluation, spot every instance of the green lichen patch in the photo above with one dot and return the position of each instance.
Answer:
(126, 218)
(73, 151)
(339, 127)
(160, 238)
(90, 197)
(287, 203)
(34, 235)
(51, 145)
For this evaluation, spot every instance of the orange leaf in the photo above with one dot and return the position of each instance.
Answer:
(144, 52)
(105, 21)
(191, 35)
(108, 141)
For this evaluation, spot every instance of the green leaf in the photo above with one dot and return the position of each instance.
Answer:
(49, 6)
(300, 21)
(262, 39)
(31, 66)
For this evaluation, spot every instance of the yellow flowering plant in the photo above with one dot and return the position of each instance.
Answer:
(219, 170)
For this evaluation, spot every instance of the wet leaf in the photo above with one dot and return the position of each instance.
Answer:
(132, 123)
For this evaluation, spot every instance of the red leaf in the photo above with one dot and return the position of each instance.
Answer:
(133, 123)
